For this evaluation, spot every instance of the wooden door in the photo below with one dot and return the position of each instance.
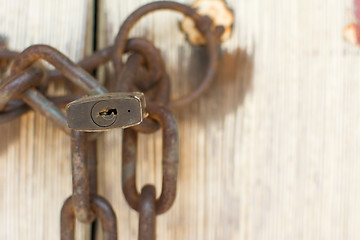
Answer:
(270, 152)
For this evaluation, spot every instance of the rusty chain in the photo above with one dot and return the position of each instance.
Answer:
(23, 86)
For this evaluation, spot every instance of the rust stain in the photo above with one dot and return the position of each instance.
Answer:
(218, 11)
(235, 77)
(351, 32)
(232, 84)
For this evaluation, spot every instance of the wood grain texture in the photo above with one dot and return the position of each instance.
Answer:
(35, 159)
(271, 152)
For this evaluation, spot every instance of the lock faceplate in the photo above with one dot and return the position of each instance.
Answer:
(106, 111)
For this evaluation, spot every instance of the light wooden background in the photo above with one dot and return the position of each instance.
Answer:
(270, 152)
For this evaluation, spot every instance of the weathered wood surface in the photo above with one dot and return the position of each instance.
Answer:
(270, 152)
(35, 162)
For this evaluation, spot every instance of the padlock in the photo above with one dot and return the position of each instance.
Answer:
(106, 111)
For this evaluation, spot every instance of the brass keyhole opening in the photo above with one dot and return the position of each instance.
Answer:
(108, 114)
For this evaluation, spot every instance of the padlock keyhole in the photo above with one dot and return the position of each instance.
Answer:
(108, 114)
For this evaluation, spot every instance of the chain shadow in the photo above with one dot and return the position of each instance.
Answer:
(10, 132)
(233, 81)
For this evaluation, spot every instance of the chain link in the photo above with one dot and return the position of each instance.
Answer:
(25, 84)
(170, 160)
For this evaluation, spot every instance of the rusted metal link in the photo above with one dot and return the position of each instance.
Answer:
(202, 23)
(103, 211)
(161, 97)
(89, 63)
(158, 92)
(6, 54)
(151, 57)
(146, 54)
(147, 214)
(98, 58)
(73, 72)
(92, 163)
(127, 83)
(128, 76)
(60, 101)
(16, 84)
(169, 162)
(40, 103)
(16, 108)
(76, 74)
(147, 126)
(80, 176)
(69, 70)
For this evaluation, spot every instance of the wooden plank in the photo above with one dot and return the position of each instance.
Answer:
(211, 163)
(271, 152)
(34, 154)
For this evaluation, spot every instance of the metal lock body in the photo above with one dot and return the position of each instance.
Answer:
(106, 111)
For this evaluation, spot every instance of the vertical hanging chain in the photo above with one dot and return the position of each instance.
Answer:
(145, 202)
(24, 86)
(81, 199)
